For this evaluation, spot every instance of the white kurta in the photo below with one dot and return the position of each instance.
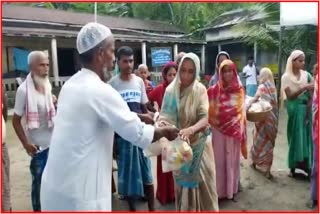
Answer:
(77, 176)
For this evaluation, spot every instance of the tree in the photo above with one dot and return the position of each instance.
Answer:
(265, 32)
(190, 16)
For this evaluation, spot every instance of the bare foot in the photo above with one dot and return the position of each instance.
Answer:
(292, 173)
(234, 199)
(269, 175)
(253, 166)
(312, 204)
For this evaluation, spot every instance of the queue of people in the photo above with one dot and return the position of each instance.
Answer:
(71, 141)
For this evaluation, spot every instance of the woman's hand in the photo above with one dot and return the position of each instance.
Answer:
(309, 87)
(163, 123)
(186, 133)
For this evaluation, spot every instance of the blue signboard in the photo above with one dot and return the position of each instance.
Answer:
(160, 56)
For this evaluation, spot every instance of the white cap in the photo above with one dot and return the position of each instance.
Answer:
(91, 35)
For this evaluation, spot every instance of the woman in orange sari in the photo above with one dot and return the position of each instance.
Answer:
(227, 118)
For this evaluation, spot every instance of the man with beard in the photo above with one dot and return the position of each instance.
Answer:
(134, 169)
(78, 173)
(34, 103)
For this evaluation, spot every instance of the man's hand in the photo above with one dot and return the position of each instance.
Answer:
(54, 100)
(146, 118)
(171, 133)
(30, 149)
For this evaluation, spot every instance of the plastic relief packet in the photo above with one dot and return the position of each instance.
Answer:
(260, 106)
(155, 149)
(175, 155)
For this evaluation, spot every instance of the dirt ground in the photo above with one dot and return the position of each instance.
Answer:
(259, 193)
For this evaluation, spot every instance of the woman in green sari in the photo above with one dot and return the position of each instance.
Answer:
(185, 105)
(296, 88)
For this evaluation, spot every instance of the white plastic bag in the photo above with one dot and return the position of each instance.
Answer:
(260, 106)
(175, 155)
(155, 149)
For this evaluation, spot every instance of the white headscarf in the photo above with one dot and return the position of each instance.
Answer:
(171, 101)
(266, 75)
(288, 79)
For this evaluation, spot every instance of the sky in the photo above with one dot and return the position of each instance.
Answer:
(298, 13)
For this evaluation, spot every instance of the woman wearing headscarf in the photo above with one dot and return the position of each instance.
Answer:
(265, 132)
(227, 118)
(315, 136)
(296, 87)
(222, 55)
(185, 105)
(165, 189)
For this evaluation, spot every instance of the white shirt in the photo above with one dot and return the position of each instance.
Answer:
(78, 173)
(252, 72)
(42, 135)
(132, 91)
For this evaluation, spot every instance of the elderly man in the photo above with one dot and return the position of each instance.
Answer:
(78, 173)
(34, 102)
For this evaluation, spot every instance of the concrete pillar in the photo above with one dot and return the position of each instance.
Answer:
(54, 53)
(203, 58)
(144, 52)
(175, 50)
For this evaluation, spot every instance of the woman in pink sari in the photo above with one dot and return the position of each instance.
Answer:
(315, 137)
(227, 118)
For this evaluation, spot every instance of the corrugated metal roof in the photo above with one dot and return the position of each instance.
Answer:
(234, 17)
(73, 18)
(120, 35)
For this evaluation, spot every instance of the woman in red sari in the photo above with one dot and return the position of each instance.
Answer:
(227, 117)
(165, 194)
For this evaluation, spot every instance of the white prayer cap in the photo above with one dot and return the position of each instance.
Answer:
(91, 35)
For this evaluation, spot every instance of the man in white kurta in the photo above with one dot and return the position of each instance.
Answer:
(79, 168)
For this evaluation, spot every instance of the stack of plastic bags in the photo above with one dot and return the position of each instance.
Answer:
(259, 106)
